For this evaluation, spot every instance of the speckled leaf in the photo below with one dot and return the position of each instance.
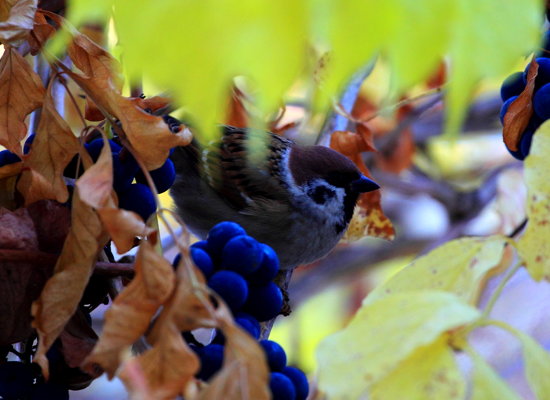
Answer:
(384, 334)
(461, 267)
(534, 245)
(430, 372)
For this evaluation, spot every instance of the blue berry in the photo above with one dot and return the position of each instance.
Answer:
(525, 143)
(202, 260)
(163, 177)
(139, 199)
(545, 45)
(202, 244)
(16, 380)
(124, 171)
(264, 302)
(220, 234)
(541, 102)
(242, 254)
(7, 157)
(49, 391)
(231, 287)
(281, 387)
(512, 86)
(28, 143)
(95, 146)
(543, 74)
(176, 261)
(211, 358)
(276, 356)
(299, 380)
(505, 106)
(268, 269)
(249, 324)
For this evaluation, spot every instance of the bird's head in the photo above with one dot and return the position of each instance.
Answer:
(331, 181)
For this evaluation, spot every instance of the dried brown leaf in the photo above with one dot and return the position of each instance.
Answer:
(61, 294)
(77, 340)
(148, 134)
(123, 226)
(368, 218)
(96, 185)
(520, 111)
(244, 373)
(52, 149)
(400, 156)
(237, 115)
(19, 21)
(166, 368)
(40, 32)
(21, 92)
(7, 185)
(129, 316)
(20, 282)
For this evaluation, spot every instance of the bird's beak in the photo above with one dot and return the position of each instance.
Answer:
(364, 184)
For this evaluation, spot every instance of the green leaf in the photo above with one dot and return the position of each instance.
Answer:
(460, 266)
(534, 245)
(384, 334)
(429, 373)
(486, 382)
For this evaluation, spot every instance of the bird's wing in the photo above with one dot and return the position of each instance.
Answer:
(237, 177)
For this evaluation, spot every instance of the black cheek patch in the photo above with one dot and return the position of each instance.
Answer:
(321, 194)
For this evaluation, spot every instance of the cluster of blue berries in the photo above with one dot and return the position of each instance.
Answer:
(515, 84)
(132, 196)
(136, 197)
(22, 381)
(241, 271)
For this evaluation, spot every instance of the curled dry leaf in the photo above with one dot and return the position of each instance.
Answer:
(400, 156)
(41, 31)
(520, 111)
(168, 368)
(15, 26)
(237, 115)
(368, 218)
(96, 185)
(8, 180)
(61, 294)
(21, 92)
(244, 373)
(131, 312)
(123, 226)
(148, 134)
(52, 149)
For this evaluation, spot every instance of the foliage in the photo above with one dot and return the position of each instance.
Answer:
(404, 336)
(268, 43)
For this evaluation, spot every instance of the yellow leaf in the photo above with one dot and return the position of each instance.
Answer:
(429, 373)
(382, 335)
(534, 246)
(537, 362)
(487, 384)
(460, 267)
(537, 366)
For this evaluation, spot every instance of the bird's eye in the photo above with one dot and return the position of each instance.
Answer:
(320, 194)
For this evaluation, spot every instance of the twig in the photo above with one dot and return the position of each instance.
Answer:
(336, 121)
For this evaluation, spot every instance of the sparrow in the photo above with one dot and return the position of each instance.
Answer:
(299, 200)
